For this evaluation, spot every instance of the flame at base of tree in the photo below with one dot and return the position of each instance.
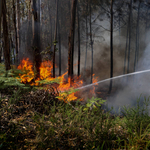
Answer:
(28, 77)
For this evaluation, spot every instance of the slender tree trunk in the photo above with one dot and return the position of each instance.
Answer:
(125, 58)
(28, 43)
(55, 38)
(18, 28)
(0, 53)
(130, 26)
(0, 29)
(0, 15)
(86, 39)
(69, 7)
(111, 46)
(36, 42)
(38, 25)
(14, 20)
(71, 40)
(78, 39)
(137, 39)
(91, 43)
(59, 41)
(6, 38)
(51, 31)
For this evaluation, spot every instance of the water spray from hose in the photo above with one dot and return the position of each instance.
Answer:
(125, 75)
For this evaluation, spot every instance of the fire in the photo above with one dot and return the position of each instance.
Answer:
(45, 70)
(45, 74)
(65, 86)
(94, 81)
(27, 67)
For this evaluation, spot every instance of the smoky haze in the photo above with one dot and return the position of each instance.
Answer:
(127, 89)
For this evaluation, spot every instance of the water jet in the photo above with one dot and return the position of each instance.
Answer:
(125, 75)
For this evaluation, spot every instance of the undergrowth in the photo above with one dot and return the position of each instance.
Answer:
(37, 119)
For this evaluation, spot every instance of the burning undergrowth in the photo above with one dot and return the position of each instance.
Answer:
(63, 85)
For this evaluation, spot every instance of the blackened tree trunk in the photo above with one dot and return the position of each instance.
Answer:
(14, 20)
(78, 39)
(111, 46)
(71, 40)
(0, 28)
(0, 14)
(91, 43)
(18, 28)
(6, 37)
(130, 26)
(55, 38)
(59, 41)
(39, 29)
(36, 42)
(0, 53)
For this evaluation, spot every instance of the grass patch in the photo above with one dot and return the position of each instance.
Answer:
(36, 118)
(54, 124)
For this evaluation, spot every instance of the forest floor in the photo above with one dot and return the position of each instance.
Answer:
(36, 119)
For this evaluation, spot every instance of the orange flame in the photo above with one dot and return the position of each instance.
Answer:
(45, 74)
(45, 70)
(27, 67)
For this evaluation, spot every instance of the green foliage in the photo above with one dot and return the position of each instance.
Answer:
(10, 138)
(72, 128)
(137, 123)
(67, 125)
(10, 78)
(55, 80)
(94, 103)
(55, 42)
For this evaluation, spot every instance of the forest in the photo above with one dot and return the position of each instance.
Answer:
(74, 74)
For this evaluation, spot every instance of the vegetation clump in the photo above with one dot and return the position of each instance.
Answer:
(38, 120)
(42, 118)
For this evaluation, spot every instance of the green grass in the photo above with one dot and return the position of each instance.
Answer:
(34, 118)
(65, 126)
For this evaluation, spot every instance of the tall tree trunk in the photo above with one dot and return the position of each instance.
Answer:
(6, 38)
(55, 38)
(137, 39)
(28, 43)
(38, 26)
(111, 46)
(0, 28)
(91, 43)
(78, 39)
(126, 49)
(0, 15)
(36, 42)
(0, 53)
(86, 38)
(59, 41)
(51, 24)
(130, 26)
(18, 28)
(71, 40)
(14, 20)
